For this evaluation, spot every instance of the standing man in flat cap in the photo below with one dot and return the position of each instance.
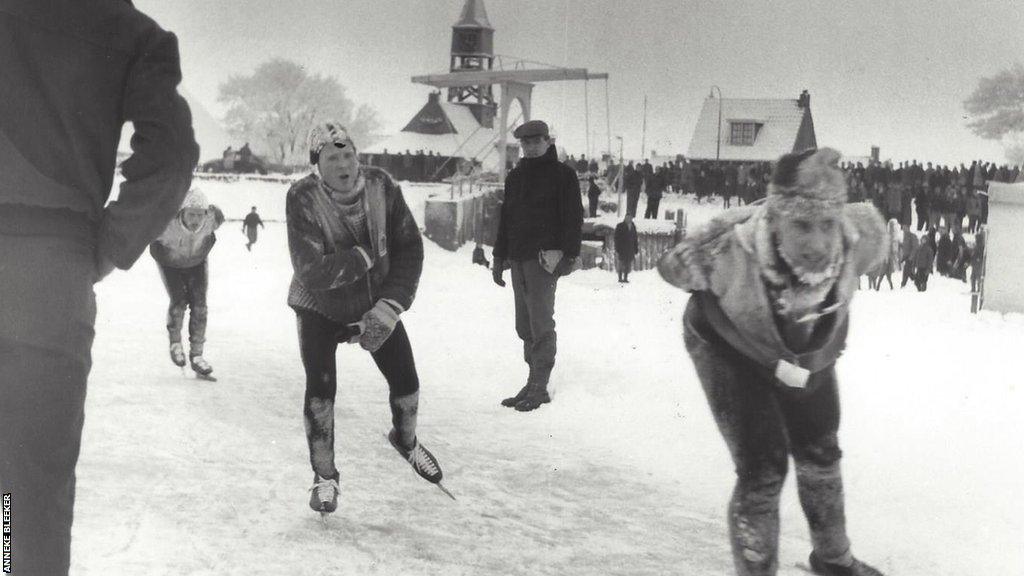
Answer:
(74, 71)
(539, 235)
(771, 288)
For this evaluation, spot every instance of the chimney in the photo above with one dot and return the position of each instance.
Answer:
(804, 101)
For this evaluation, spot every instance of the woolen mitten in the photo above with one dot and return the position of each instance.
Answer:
(378, 324)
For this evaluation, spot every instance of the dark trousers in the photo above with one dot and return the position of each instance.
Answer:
(652, 207)
(187, 289)
(624, 264)
(318, 344)
(632, 199)
(534, 290)
(594, 201)
(762, 422)
(252, 234)
(921, 279)
(47, 314)
(908, 273)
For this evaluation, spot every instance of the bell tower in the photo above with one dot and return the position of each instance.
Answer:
(473, 50)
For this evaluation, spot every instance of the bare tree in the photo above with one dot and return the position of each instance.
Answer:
(997, 105)
(274, 108)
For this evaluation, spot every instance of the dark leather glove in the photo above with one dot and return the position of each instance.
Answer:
(498, 271)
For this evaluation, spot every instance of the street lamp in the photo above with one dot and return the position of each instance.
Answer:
(622, 177)
(718, 147)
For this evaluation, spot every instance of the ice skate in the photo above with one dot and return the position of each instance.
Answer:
(323, 497)
(202, 368)
(177, 354)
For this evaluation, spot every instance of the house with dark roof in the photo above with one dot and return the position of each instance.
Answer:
(752, 129)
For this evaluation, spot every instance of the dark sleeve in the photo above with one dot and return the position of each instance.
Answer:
(164, 153)
(572, 216)
(501, 240)
(315, 268)
(260, 222)
(405, 252)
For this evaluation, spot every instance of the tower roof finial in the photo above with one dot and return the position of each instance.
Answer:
(474, 15)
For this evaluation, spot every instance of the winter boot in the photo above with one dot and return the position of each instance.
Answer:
(200, 365)
(422, 461)
(536, 395)
(177, 354)
(511, 402)
(858, 568)
(323, 496)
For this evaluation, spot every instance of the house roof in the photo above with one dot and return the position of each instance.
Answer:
(474, 15)
(466, 138)
(780, 120)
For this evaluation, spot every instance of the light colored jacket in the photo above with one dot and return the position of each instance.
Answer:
(725, 258)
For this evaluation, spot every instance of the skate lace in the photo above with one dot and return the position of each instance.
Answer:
(418, 457)
(325, 489)
(200, 362)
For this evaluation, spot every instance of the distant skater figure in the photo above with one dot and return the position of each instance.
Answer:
(252, 220)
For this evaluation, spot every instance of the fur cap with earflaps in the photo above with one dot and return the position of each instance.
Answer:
(807, 183)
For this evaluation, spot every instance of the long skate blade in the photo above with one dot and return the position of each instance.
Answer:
(323, 520)
(445, 490)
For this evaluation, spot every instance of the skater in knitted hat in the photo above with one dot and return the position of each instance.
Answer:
(357, 255)
(771, 287)
(181, 255)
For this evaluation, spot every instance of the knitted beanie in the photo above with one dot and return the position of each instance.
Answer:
(195, 199)
(807, 184)
(324, 133)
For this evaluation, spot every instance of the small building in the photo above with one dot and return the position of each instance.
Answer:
(752, 129)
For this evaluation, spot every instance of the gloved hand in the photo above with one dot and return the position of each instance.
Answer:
(498, 271)
(549, 259)
(565, 267)
(378, 324)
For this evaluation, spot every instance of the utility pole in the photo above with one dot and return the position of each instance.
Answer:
(622, 178)
(643, 138)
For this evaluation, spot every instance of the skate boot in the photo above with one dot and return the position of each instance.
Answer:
(200, 365)
(422, 461)
(511, 402)
(536, 395)
(177, 354)
(858, 568)
(323, 497)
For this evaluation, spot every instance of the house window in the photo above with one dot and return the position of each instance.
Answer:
(742, 133)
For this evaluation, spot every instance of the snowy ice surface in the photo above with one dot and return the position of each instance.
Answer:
(623, 473)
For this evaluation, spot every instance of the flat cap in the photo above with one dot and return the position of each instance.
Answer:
(531, 128)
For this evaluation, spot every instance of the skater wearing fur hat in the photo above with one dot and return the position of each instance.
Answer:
(181, 255)
(357, 256)
(771, 287)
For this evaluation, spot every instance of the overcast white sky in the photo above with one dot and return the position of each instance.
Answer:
(892, 74)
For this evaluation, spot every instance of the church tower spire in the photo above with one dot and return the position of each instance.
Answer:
(473, 49)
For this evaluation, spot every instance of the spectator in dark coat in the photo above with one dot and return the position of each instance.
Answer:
(944, 253)
(593, 195)
(634, 181)
(74, 71)
(539, 235)
(627, 246)
(908, 251)
(923, 263)
(978, 260)
(655, 189)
